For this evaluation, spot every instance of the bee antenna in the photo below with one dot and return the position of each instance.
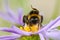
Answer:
(34, 11)
(33, 8)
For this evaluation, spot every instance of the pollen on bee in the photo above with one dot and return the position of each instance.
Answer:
(27, 29)
(30, 28)
(34, 29)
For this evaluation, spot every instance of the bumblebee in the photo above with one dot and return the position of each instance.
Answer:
(32, 21)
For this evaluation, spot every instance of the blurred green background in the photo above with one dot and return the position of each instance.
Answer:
(50, 9)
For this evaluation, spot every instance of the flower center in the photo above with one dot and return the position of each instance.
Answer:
(28, 28)
(31, 37)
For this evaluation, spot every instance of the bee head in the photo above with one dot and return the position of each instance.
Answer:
(33, 17)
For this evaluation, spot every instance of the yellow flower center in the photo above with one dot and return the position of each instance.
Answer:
(34, 28)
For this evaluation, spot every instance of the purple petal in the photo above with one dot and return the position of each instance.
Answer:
(7, 39)
(15, 30)
(9, 30)
(10, 13)
(12, 37)
(7, 18)
(54, 34)
(20, 15)
(21, 31)
(41, 36)
(53, 24)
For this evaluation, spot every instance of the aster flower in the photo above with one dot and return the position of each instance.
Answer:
(47, 31)
(44, 33)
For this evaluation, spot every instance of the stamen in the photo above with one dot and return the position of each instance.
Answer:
(30, 28)
(27, 29)
(34, 29)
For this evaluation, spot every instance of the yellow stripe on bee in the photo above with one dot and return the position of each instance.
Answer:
(33, 15)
